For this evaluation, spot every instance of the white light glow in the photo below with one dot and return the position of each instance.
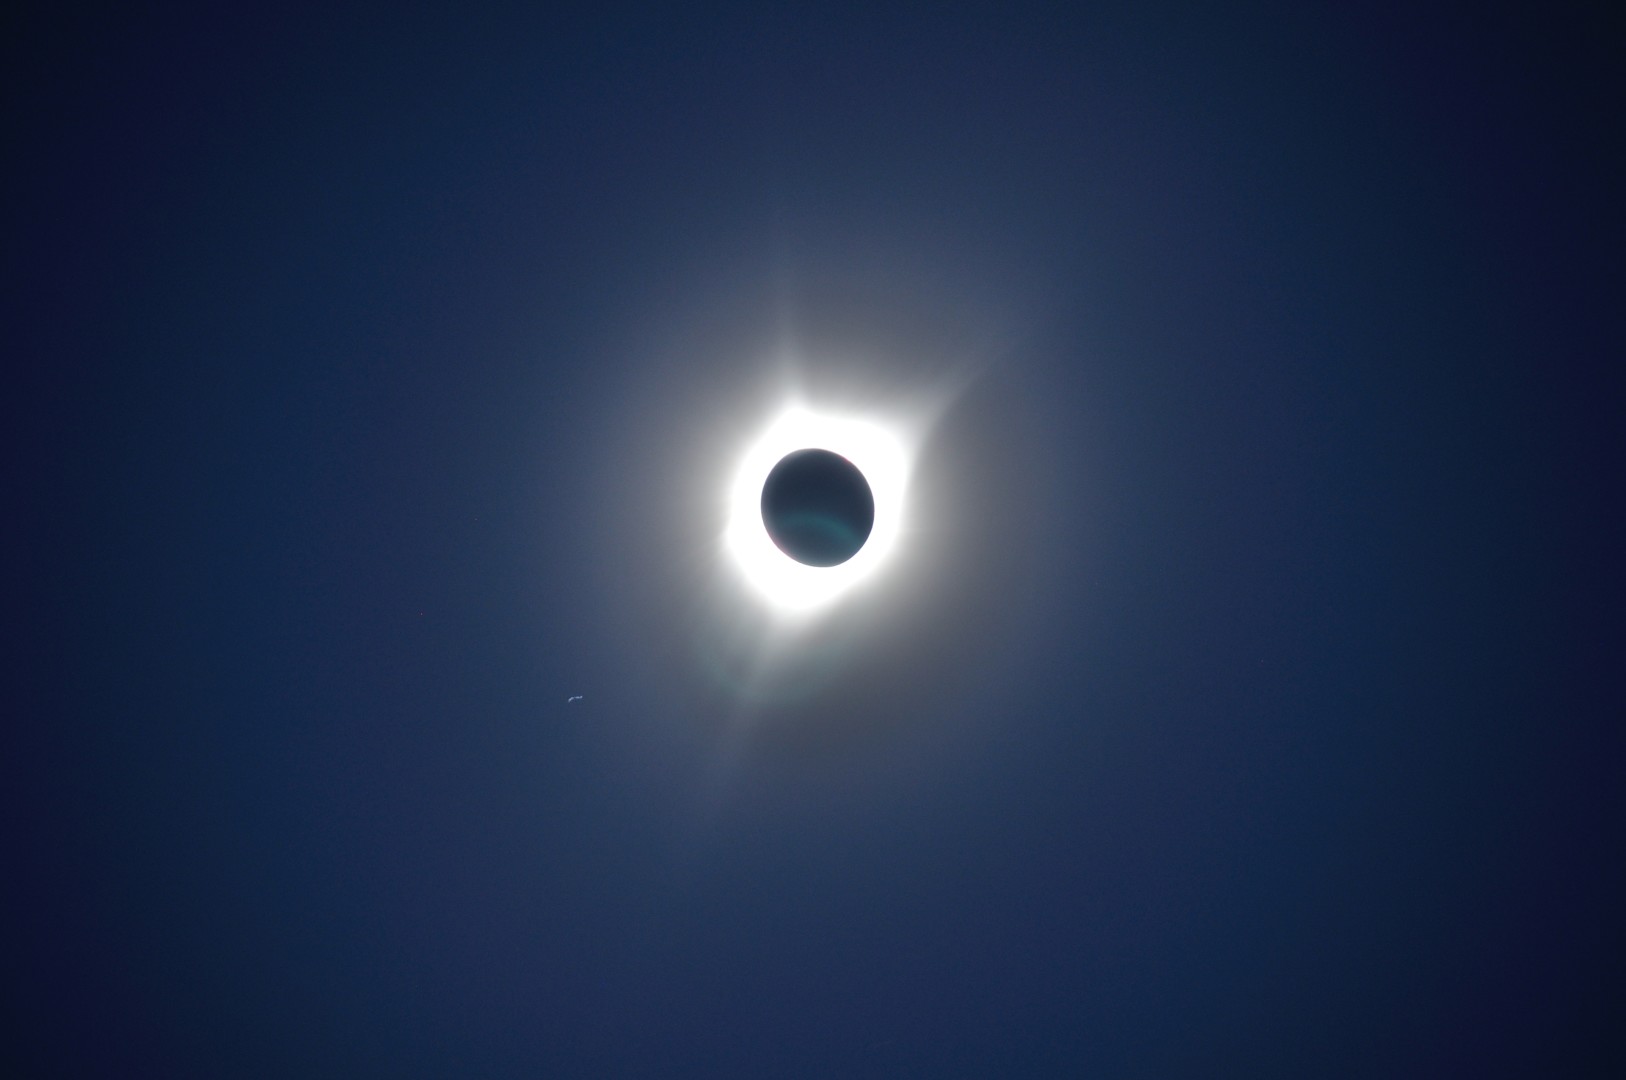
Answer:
(787, 586)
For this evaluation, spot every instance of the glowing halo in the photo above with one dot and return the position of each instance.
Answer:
(785, 585)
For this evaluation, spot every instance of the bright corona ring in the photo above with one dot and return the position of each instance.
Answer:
(787, 586)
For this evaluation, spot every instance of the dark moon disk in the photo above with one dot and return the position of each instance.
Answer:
(817, 507)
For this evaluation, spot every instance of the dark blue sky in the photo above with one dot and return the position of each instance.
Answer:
(1244, 703)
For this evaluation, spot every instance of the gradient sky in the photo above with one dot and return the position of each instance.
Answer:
(1240, 700)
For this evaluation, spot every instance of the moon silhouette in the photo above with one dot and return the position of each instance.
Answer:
(817, 507)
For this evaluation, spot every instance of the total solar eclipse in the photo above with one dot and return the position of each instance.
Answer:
(817, 507)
